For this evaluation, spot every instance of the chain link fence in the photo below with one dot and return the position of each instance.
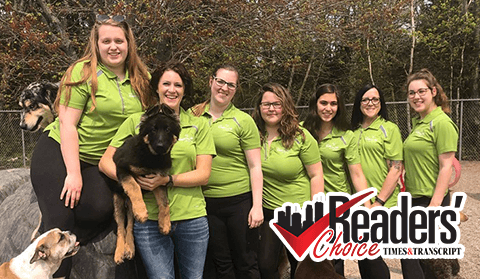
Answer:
(16, 145)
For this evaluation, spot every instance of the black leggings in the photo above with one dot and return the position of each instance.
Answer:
(232, 245)
(412, 268)
(270, 247)
(94, 211)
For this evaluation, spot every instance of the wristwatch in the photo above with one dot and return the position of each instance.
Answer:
(170, 181)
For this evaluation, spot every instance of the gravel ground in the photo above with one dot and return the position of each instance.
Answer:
(470, 236)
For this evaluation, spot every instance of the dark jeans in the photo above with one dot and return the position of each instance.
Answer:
(232, 245)
(412, 268)
(269, 250)
(94, 211)
(187, 242)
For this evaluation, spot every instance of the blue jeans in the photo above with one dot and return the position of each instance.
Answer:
(187, 241)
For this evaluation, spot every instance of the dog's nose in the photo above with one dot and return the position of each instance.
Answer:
(23, 125)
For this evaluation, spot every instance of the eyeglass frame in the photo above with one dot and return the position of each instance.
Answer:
(101, 18)
(219, 81)
(411, 94)
(267, 105)
(365, 101)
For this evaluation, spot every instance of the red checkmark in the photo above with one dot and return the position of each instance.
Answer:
(301, 243)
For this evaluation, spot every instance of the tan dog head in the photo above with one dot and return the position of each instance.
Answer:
(55, 245)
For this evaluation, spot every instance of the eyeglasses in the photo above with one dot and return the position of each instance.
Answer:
(374, 101)
(266, 105)
(421, 92)
(117, 18)
(220, 82)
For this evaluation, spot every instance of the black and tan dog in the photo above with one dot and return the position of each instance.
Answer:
(37, 105)
(144, 154)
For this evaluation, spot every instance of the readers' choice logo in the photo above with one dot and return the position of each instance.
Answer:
(336, 226)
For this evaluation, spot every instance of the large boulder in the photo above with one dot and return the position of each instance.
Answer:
(19, 215)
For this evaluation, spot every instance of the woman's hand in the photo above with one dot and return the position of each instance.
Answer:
(255, 217)
(72, 190)
(151, 181)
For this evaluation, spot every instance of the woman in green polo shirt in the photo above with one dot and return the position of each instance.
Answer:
(292, 170)
(97, 93)
(429, 149)
(379, 144)
(381, 153)
(234, 191)
(191, 164)
(327, 122)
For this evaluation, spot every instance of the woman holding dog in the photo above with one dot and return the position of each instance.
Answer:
(234, 191)
(327, 122)
(191, 164)
(292, 170)
(381, 155)
(429, 149)
(97, 93)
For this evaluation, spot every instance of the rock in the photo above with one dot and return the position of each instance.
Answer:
(20, 214)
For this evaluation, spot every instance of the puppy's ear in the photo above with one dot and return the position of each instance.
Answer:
(167, 110)
(41, 253)
(149, 112)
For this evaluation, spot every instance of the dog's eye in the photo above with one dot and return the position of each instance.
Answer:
(62, 237)
(31, 106)
(167, 130)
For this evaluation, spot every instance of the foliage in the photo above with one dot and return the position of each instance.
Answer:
(300, 44)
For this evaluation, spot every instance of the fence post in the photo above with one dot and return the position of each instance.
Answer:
(461, 132)
(23, 150)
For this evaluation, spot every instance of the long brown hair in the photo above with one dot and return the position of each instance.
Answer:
(313, 122)
(441, 98)
(137, 70)
(289, 127)
(197, 110)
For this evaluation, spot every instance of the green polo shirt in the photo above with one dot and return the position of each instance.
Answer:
(377, 143)
(195, 139)
(338, 149)
(431, 136)
(233, 132)
(285, 178)
(115, 99)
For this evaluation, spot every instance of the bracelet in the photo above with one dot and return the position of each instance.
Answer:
(377, 199)
(170, 181)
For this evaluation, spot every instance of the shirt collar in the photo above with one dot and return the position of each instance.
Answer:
(110, 74)
(335, 133)
(226, 113)
(434, 113)
(376, 123)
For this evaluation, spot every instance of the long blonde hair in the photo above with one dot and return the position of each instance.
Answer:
(137, 70)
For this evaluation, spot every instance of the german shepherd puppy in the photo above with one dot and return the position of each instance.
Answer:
(144, 154)
(36, 102)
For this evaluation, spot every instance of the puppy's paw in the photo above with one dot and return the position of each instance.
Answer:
(119, 254)
(141, 214)
(129, 252)
(164, 226)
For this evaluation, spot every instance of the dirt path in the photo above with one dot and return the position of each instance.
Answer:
(470, 230)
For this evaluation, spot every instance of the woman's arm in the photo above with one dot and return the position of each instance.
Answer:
(445, 161)
(396, 169)
(255, 217)
(72, 188)
(106, 164)
(197, 177)
(359, 180)
(315, 172)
